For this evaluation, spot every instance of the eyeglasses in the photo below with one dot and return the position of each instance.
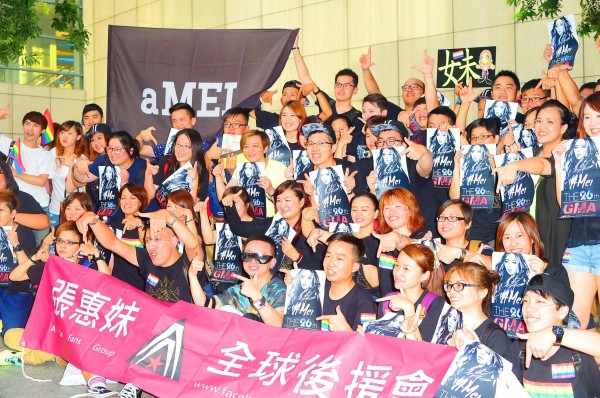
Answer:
(388, 142)
(413, 87)
(117, 151)
(345, 85)
(69, 243)
(458, 286)
(533, 100)
(187, 147)
(260, 258)
(234, 126)
(480, 138)
(155, 241)
(319, 144)
(449, 218)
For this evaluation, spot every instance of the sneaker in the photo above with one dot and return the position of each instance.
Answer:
(8, 357)
(130, 391)
(100, 392)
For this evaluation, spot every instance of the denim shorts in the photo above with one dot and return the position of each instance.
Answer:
(582, 259)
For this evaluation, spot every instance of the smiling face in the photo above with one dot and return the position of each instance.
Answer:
(254, 267)
(407, 273)
(540, 312)
(181, 119)
(320, 154)
(183, 149)
(452, 230)
(396, 215)
(548, 127)
(516, 240)
(363, 212)
(73, 211)
(160, 245)
(370, 110)
(504, 89)
(340, 127)
(370, 138)
(289, 120)
(118, 159)
(31, 131)
(290, 94)
(591, 121)
(129, 203)
(342, 93)
(421, 115)
(98, 143)
(410, 95)
(339, 262)
(288, 205)
(91, 118)
(254, 150)
(469, 298)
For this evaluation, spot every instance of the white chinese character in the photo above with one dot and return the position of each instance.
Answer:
(372, 380)
(123, 312)
(230, 353)
(90, 304)
(63, 295)
(413, 385)
(279, 370)
(321, 379)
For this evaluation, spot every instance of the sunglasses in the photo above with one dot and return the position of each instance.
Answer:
(260, 258)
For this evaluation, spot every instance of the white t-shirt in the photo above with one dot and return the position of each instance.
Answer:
(36, 161)
(59, 174)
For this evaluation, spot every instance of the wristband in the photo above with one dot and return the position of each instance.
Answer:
(300, 255)
(17, 248)
(170, 224)
(317, 92)
(458, 101)
(260, 304)
(295, 48)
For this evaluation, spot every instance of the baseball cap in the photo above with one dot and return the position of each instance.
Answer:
(485, 94)
(378, 128)
(98, 128)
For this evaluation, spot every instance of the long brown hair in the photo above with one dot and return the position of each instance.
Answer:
(416, 222)
(183, 198)
(80, 144)
(529, 226)
(425, 259)
(593, 101)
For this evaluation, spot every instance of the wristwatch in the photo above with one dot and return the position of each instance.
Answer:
(559, 332)
(260, 304)
(17, 248)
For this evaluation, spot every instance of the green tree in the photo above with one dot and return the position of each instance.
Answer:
(19, 23)
(536, 9)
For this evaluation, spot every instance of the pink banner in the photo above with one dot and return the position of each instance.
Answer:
(106, 327)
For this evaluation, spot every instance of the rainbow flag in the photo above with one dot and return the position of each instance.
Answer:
(48, 134)
(15, 155)
(386, 261)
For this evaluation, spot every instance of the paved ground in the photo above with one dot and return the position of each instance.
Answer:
(14, 385)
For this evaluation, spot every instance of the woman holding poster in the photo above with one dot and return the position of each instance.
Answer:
(581, 258)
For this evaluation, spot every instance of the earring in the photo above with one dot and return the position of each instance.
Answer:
(423, 285)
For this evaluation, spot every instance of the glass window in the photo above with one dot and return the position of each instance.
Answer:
(58, 64)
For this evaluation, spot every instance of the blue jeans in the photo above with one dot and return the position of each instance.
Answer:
(14, 309)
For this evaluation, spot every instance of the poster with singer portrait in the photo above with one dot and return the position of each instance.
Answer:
(450, 321)
(110, 183)
(8, 259)
(580, 178)
(331, 195)
(279, 149)
(278, 230)
(180, 179)
(228, 255)
(515, 274)
(525, 137)
(477, 183)
(247, 175)
(301, 163)
(562, 33)
(390, 167)
(517, 196)
(304, 300)
(443, 146)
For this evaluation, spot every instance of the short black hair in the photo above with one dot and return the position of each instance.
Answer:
(510, 74)
(291, 83)
(491, 124)
(92, 107)
(37, 118)
(444, 111)
(344, 118)
(377, 100)
(358, 247)
(348, 72)
(262, 238)
(235, 111)
(533, 84)
(465, 208)
(588, 85)
(182, 105)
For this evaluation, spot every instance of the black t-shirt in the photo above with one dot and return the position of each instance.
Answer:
(28, 205)
(169, 284)
(355, 303)
(556, 376)
(494, 337)
(432, 316)
(122, 269)
(265, 120)
(485, 221)
(35, 272)
(352, 114)
(370, 258)
(471, 246)
(27, 242)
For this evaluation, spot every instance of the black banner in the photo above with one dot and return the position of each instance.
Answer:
(212, 70)
(457, 65)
